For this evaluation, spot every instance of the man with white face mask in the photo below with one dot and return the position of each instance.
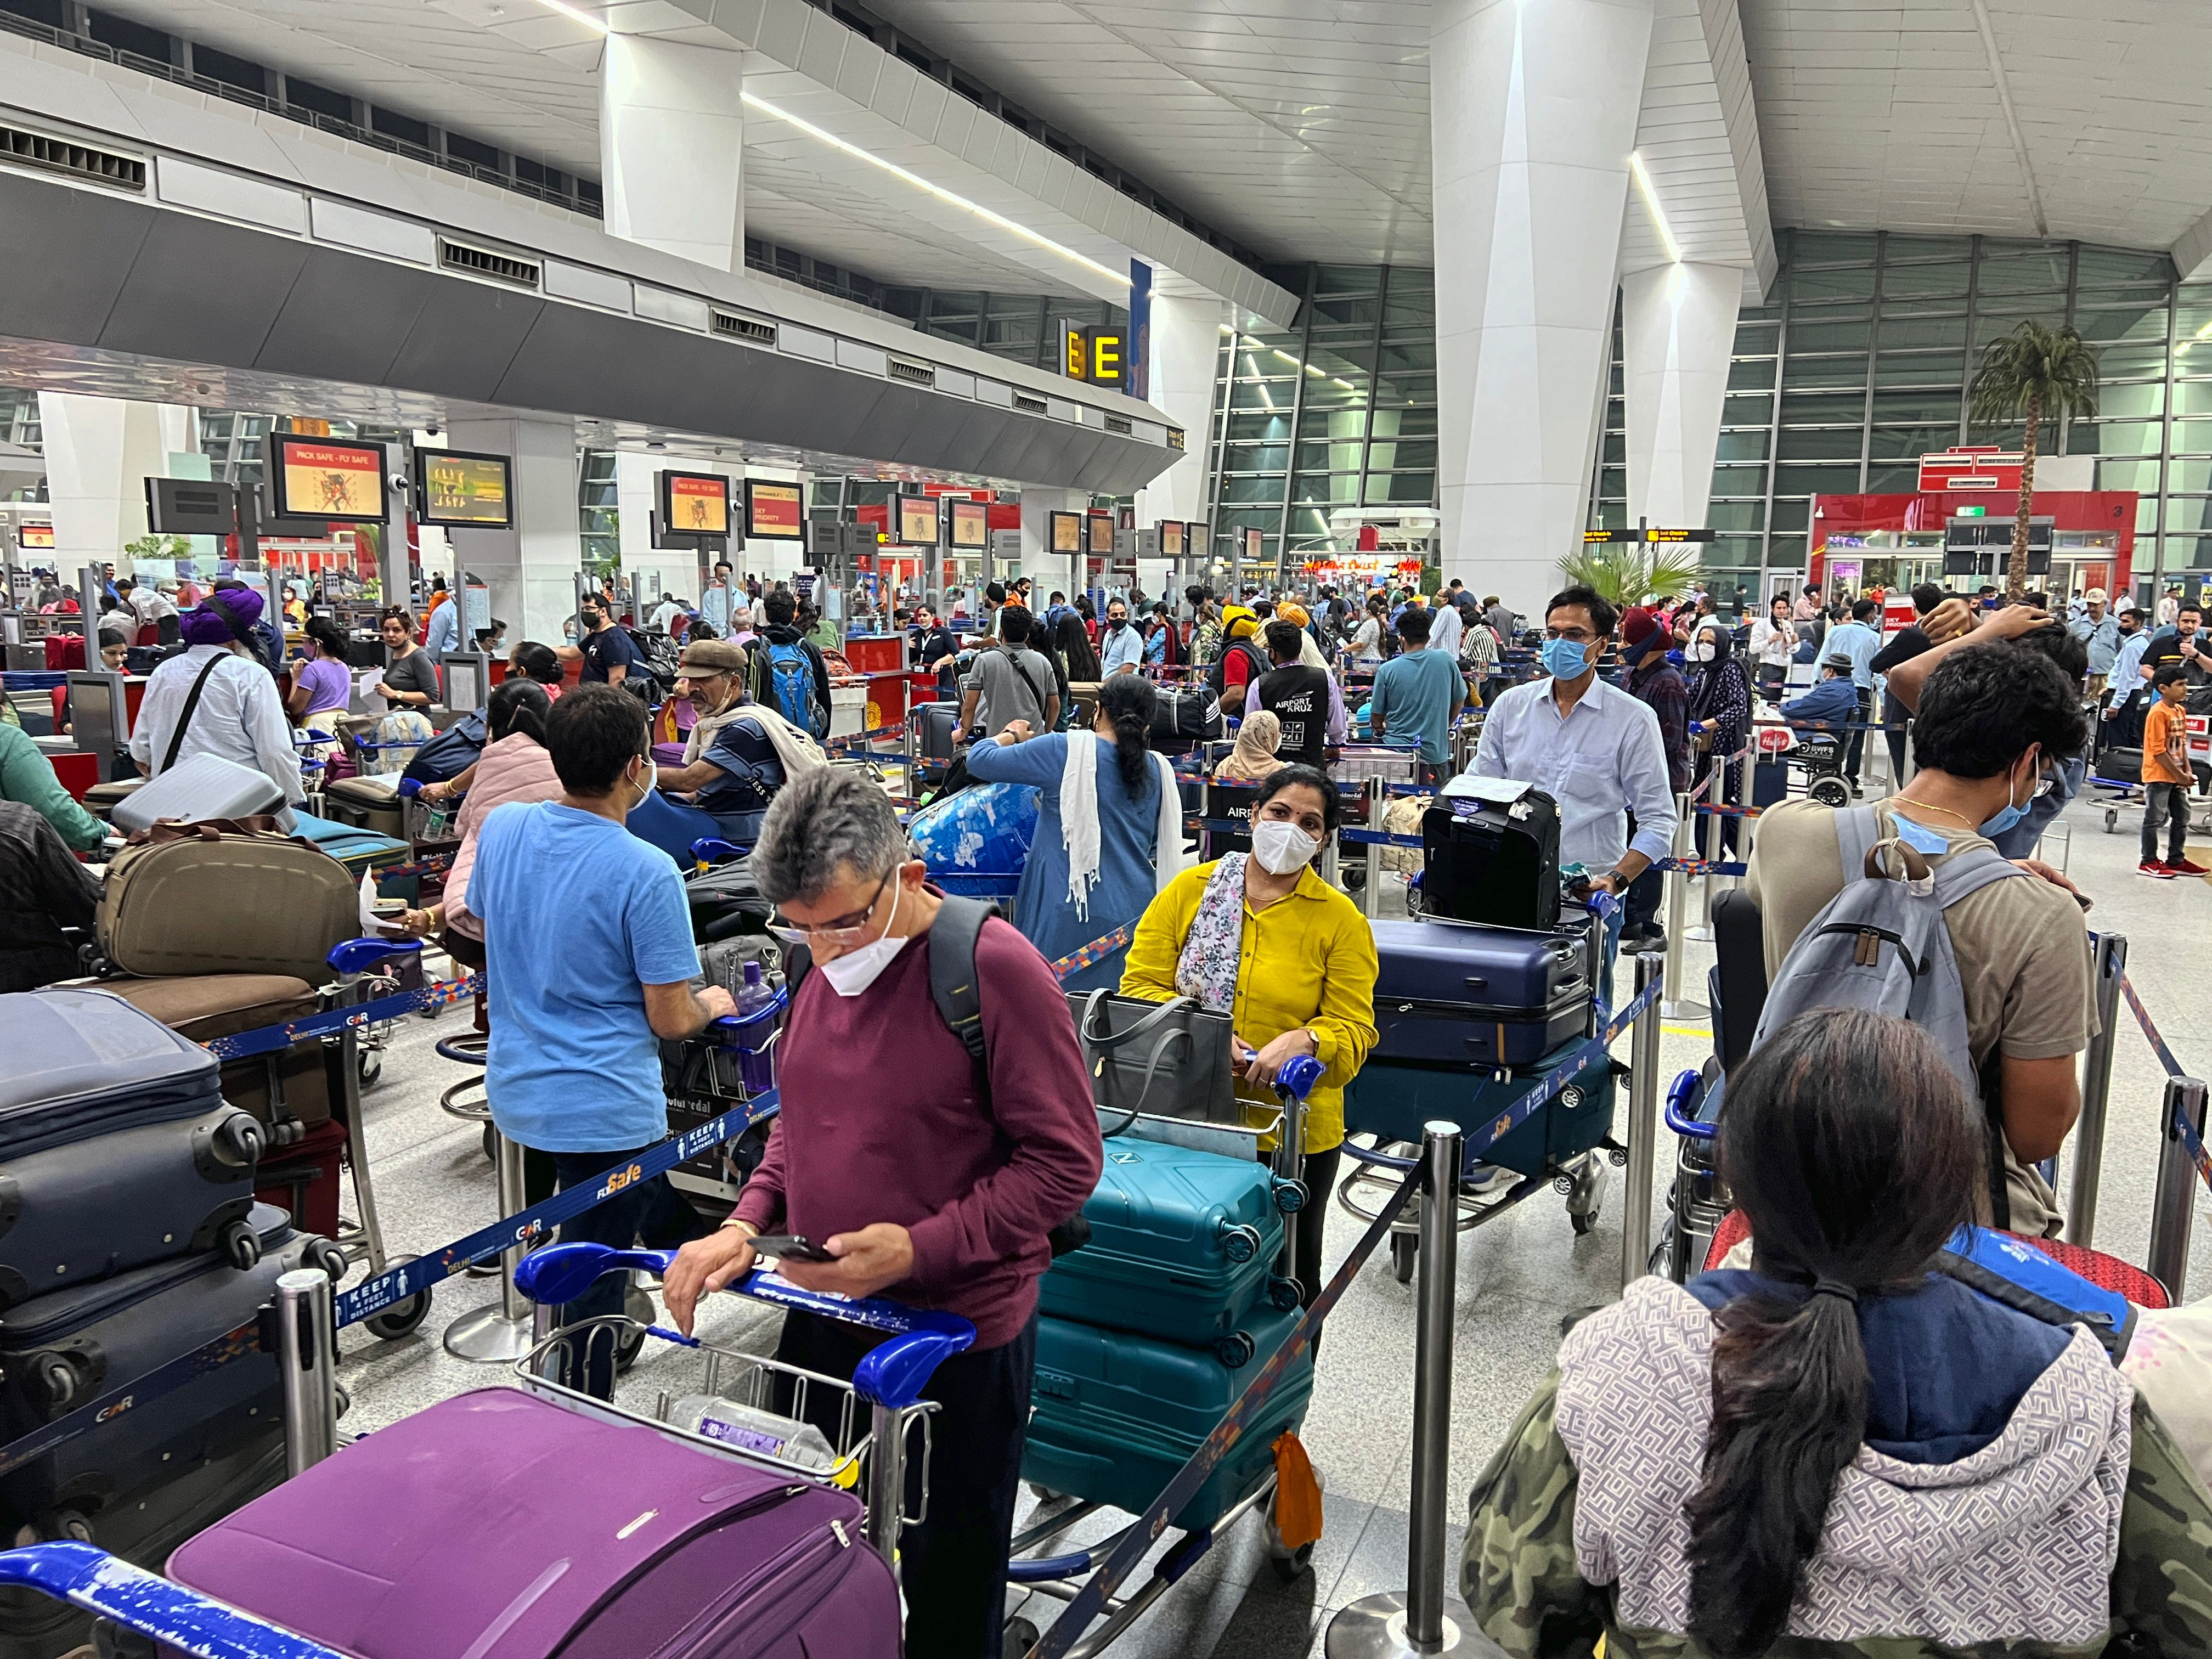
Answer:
(924, 1175)
(589, 960)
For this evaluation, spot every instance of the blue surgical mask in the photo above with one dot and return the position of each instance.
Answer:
(1564, 660)
(2007, 816)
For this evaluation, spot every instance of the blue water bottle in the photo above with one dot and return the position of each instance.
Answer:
(756, 1066)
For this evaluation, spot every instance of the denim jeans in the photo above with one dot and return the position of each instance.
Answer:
(651, 1211)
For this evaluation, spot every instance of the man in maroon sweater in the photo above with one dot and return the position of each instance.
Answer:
(923, 1185)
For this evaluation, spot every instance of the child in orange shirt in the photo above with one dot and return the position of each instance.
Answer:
(2166, 776)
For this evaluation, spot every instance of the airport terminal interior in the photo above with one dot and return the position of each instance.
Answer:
(1003, 827)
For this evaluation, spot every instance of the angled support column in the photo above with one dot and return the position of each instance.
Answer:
(1677, 332)
(1533, 113)
(1186, 351)
(671, 147)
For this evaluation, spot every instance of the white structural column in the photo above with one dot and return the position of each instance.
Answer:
(1186, 354)
(100, 452)
(531, 568)
(671, 147)
(1043, 567)
(1677, 332)
(1533, 113)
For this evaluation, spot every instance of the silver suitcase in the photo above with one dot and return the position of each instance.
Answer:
(200, 786)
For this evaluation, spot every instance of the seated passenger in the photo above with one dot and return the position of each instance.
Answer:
(1993, 723)
(739, 753)
(1261, 937)
(1259, 736)
(28, 777)
(1841, 1450)
(1832, 702)
(514, 766)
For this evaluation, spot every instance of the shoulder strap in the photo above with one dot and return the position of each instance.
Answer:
(952, 939)
(1856, 829)
(1963, 874)
(185, 719)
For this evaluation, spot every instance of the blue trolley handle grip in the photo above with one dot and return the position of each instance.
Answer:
(1678, 1117)
(357, 956)
(894, 1373)
(167, 1613)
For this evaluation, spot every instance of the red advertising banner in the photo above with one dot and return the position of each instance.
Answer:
(776, 512)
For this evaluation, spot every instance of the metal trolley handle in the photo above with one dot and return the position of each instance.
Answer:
(167, 1614)
(892, 1373)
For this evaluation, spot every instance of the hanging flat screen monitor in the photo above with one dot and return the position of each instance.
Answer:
(971, 524)
(1067, 532)
(461, 490)
(1171, 539)
(1255, 547)
(1102, 535)
(775, 512)
(695, 504)
(327, 480)
(918, 522)
(36, 536)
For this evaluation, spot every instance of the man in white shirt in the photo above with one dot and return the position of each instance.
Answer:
(715, 603)
(1444, 632)
(237, 713)
(1120, 648)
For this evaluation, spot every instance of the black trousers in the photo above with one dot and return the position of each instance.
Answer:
(652, 1212)
(1319, 1173)
(1894, 737)
(953, 1567)
(1862, 720)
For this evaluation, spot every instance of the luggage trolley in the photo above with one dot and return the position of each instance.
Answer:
(1250, 1485)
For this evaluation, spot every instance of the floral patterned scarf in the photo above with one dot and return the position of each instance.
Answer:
(1206, 970)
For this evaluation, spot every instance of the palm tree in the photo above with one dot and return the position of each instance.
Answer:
(2028, 374)
(1623, 574)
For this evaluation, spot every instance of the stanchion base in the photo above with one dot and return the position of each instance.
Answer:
(1374, 1627)
(1685, 1011)
(1702, 933)
(488, 1337)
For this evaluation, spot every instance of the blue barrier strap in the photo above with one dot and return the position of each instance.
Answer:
(118, 1401)
(398, 1284)
(269, 1038)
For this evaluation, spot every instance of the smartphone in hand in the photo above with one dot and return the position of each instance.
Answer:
(790, 1247)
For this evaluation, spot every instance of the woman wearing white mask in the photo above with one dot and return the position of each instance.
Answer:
(1109, 826)
(1262, 937)
(1720, 708)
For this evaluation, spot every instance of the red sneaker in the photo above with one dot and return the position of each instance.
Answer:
(2187, 867)
(2154, 870)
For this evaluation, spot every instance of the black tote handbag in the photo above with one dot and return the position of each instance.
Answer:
(1161, 1059)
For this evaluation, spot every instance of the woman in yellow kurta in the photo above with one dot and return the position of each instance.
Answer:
(1263, 938)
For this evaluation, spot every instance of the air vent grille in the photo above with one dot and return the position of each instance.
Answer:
(737, 325)
(1029, 406)
(1119, 424)
(1175, 437)
(53, 154)
(483, 262)
(912, 373)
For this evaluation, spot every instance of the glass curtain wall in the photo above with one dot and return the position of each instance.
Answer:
(1859, 363)
(1337, 411)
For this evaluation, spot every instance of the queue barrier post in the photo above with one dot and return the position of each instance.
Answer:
(2173, 1196)
(1678, 886)
(1642, 1126)
(1703, 930)
(2111, 963)
(499, 1334)
(307, 1361)
(1395, 1625)
(1372, 897)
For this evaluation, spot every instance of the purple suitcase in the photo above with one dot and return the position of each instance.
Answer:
(501, 1525)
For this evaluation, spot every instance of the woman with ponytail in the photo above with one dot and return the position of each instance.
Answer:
(1109, 826)
(1843, 1449)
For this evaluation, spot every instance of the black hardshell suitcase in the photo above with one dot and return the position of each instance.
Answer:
(59, 1351)
(120, 1201)
(1495, 864)
(937, 729)
(1447, 991)
(80, 1064)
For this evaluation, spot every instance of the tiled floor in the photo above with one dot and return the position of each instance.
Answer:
(1518, 1277)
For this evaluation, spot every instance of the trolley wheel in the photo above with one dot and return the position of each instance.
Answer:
(1405, 1250)
(639, 1307)
(1829, 791)
(2111, 820)
(1583, 1224)
(369, 1063)
(1290, 1565)
(1234, 1350)
(1353, 876)
(401, 1317)
(1020, 1636)
(241, 1245)
(1044, 1494)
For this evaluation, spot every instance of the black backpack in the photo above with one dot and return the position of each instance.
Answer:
(660, 658)
(952, 939)
(1217, 675)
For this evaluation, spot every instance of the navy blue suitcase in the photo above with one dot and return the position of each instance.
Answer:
(60, 1351)
(1394, 1100)
(83, 1063)
(1450, 994)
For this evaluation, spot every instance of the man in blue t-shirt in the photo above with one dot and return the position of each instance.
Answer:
(589, 959)
(1418, 695)
(609, 655)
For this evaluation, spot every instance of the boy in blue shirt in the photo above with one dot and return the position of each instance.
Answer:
(589, 961)
(1419, 694)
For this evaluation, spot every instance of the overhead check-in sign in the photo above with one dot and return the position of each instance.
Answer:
(1100, 356)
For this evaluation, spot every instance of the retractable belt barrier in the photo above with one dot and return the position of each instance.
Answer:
(395, 1285)
(1100, 948)
(267, 1039)
(2192, 1142)
(429, 866)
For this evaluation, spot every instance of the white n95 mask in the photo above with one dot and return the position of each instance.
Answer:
(1282, 847)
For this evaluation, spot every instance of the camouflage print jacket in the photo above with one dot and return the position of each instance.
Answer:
(1519, 1578)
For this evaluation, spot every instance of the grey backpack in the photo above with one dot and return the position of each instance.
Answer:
(1883, 943)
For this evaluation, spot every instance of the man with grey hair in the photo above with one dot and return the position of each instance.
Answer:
(924, 1174)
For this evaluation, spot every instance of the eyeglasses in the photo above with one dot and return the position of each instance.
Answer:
(844, 932)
